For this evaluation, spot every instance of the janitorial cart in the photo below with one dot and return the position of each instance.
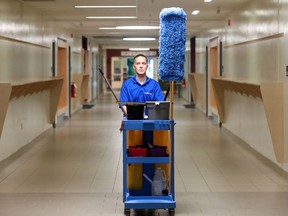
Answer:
(148, 147)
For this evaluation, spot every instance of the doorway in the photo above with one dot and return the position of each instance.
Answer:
(62, 72)
(213, 71)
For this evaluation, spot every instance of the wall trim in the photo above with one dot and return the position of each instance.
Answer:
(22, 42)
(279, 35)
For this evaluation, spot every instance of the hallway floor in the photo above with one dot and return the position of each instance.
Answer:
(76, 170)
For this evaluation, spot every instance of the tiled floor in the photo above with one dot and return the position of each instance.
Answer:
(76, 169)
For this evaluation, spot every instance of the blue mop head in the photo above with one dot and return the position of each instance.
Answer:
(172, 44)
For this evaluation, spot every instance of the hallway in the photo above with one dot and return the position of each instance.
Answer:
(76, 169)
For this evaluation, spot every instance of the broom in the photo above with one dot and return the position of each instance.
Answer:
(172, 47)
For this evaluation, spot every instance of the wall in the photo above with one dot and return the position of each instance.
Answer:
(201, 44)
(254, 50)
(283, 62)
(26, 119)
(26, 52)
(76, 47)
(257, 60)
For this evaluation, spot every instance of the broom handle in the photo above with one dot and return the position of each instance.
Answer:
(171, 99)
(110, 87)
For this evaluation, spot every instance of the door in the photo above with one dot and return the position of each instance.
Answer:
(62, 72)
(213, 71)
(117, 75)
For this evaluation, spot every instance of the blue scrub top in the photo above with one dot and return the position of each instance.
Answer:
(132, 91)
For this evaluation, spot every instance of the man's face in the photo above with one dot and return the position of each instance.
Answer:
(140, 65)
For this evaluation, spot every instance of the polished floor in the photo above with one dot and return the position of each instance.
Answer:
(76, 170)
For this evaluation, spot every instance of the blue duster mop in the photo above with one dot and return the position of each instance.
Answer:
(172, 47)
(172, 44)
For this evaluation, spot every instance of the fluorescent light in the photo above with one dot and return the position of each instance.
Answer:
(111, 17)
(105, 6)
(131, 27)
(139, 49)
(139, 39)
(106, 28)
(207, 0)
(137, 27)
(195, 12)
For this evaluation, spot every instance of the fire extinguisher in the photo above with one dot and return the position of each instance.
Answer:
(184, 82)
(73, 89)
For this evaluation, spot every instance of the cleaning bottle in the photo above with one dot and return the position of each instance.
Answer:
(159, 182)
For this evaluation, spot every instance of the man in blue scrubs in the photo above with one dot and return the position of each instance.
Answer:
(140, 88)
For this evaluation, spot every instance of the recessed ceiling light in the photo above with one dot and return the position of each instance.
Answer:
(139, 49)
(111, 17)
(195, 12)
(137, 27)
(105, 6)
(139, 39)
(207, 0)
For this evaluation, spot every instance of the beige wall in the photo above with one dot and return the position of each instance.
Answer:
(26, 118)
(26, 52)
(256, 61)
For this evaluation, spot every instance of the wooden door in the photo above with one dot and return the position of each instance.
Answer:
(62, 72)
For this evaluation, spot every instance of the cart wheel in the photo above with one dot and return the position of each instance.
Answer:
(171, 212)
(127, 212)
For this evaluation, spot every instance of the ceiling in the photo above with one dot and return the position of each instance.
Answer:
(212, 16)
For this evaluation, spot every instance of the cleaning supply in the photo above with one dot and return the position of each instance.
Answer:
(159, 182)
(172, 44)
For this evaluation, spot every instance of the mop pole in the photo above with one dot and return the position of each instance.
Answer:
(171, 99)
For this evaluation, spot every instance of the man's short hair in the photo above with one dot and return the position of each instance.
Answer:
(138, 55)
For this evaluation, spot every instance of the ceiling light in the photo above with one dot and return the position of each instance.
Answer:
(130, 27)
(139, 49)
(139, 39)
(137, 27)
(195, 12)
(207, 0)
(105, 6)
(111, 17)
(106, 28)
(37, 0)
